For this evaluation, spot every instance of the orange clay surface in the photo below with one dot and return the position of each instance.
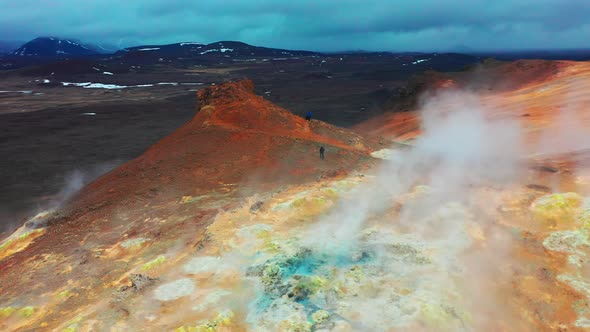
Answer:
(537, 92)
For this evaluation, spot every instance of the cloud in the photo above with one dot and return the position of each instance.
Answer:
(307, 24)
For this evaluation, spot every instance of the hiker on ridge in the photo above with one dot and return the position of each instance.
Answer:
(322, 152)
(308, 116)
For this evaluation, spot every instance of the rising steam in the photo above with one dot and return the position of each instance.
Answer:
(458, 149)
(461, 148)
(72, 182)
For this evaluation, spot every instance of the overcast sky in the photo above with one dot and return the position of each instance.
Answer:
(322, 25)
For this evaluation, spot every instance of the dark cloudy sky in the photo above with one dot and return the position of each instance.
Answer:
(324, 25)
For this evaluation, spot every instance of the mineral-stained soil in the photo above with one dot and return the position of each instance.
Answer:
(233, 223)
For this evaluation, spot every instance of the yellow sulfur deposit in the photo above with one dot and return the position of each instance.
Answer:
(221, 322)
(330, 193)
(154, 263)
(355, 273)
(556, 208)
(294, 326)
(186, 199)
(64, 294)
(320, 316)
(6, 312)
(18, 243)
(26, 312)
(268, 244)
(584, 219)
(308, 285)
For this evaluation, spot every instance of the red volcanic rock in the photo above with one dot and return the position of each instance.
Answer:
(235, 105)
(236, 137)
(220, 94)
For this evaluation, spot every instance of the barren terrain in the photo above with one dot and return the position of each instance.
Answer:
(476, 219)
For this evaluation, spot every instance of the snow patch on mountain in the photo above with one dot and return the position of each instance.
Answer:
(90, 85)
(190, 43)
(222, 50)
(419, 61)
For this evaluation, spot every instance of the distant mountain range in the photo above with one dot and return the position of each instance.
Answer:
(51, 49)
(65, 48)
(218, 48)
(55, 47)
(227, 50)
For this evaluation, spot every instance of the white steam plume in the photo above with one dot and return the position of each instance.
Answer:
(461, 148)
